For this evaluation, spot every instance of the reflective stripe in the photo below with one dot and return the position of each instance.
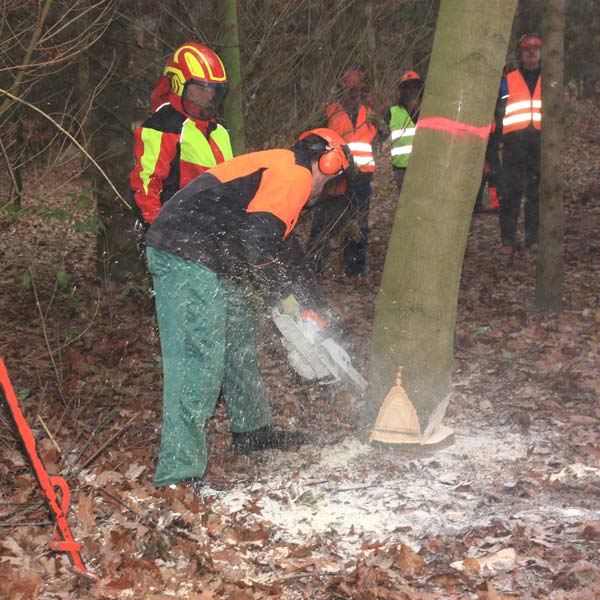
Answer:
(522, 118)
(400, 133)
(401, 150)
(363, 161)
(516, 119)
(360, 147)
(151, 139)
(510, 108)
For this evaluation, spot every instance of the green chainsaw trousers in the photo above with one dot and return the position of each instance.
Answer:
(208, 345)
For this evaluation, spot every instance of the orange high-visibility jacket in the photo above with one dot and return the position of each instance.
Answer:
(359, 138)
(522, 109)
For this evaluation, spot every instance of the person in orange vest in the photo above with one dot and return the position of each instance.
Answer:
(346, 209)
(222, 240)
(521, 127)
(182, 138)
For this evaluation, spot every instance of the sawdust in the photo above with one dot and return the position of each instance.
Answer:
(358, 494)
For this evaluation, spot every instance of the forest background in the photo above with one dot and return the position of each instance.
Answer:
(81, 343)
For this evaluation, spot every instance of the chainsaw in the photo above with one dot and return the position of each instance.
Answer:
(312, 352)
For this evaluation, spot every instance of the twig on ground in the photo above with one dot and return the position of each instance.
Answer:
(28, 524)
(108, 442)
(494, 358)
(39, 417)
(46, 339)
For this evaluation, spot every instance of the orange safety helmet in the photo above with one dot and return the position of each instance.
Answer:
(197, 80)
(409, 83)
(409, 76)
(330, 149)
(529, 39)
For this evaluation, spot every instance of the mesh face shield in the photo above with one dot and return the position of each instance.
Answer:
(201, 100)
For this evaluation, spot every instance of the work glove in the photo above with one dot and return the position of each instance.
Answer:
(140, 228)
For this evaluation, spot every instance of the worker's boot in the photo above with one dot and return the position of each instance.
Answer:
(195, 483)
(266, 437)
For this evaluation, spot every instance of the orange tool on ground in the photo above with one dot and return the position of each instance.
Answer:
(63, 539)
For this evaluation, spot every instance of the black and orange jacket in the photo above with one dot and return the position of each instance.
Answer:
(237, 219)
(170, 150)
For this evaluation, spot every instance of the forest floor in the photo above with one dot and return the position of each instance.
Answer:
(510, 510)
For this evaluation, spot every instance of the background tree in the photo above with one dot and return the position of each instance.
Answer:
(550, 271)
(93, 65)
(230, 54)
(416, 304)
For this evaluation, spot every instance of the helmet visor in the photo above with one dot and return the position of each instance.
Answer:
(201, 100)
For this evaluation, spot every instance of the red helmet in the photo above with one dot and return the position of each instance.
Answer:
(198, 80)
(528, 40)
(331, 149)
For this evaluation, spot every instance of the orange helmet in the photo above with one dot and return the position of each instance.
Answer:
(409, 76)
(410, 88)
(329, 148)
(198, 80)
(529, 39)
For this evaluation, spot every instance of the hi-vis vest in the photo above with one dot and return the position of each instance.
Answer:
(522, 109)
(402, 132)
(359, 138)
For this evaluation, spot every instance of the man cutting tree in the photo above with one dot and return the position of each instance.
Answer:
(224, 237)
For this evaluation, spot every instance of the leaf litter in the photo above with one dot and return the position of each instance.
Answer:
(511, 510)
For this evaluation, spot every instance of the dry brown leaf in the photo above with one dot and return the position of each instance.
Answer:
(86, 512)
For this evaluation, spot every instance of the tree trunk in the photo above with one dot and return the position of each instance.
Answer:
(111, 145)
(230, 54)
(416, 304)
(550, 267)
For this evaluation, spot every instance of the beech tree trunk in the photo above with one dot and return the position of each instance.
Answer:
(416, 304)
(550, 266)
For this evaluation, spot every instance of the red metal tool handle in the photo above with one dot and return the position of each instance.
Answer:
(63, 539)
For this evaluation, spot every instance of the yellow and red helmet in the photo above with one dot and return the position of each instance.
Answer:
(197, 77)
(528, 40)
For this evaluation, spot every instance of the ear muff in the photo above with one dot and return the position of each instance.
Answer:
(334, 161)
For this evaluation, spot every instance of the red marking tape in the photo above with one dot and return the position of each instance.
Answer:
(453, 127)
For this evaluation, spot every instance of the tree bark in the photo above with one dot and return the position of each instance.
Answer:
(230, 54)
(416, 304)
(111, 144)
(550, 266)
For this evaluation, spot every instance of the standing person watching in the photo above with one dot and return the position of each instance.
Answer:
(521, 127)
(354, 121)
(182, 138)
(223, 238)
(402, 120)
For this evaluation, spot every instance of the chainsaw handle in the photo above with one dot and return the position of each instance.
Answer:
(310, 315)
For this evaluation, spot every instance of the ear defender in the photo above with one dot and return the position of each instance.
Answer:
(330, 147)
(334, 161)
